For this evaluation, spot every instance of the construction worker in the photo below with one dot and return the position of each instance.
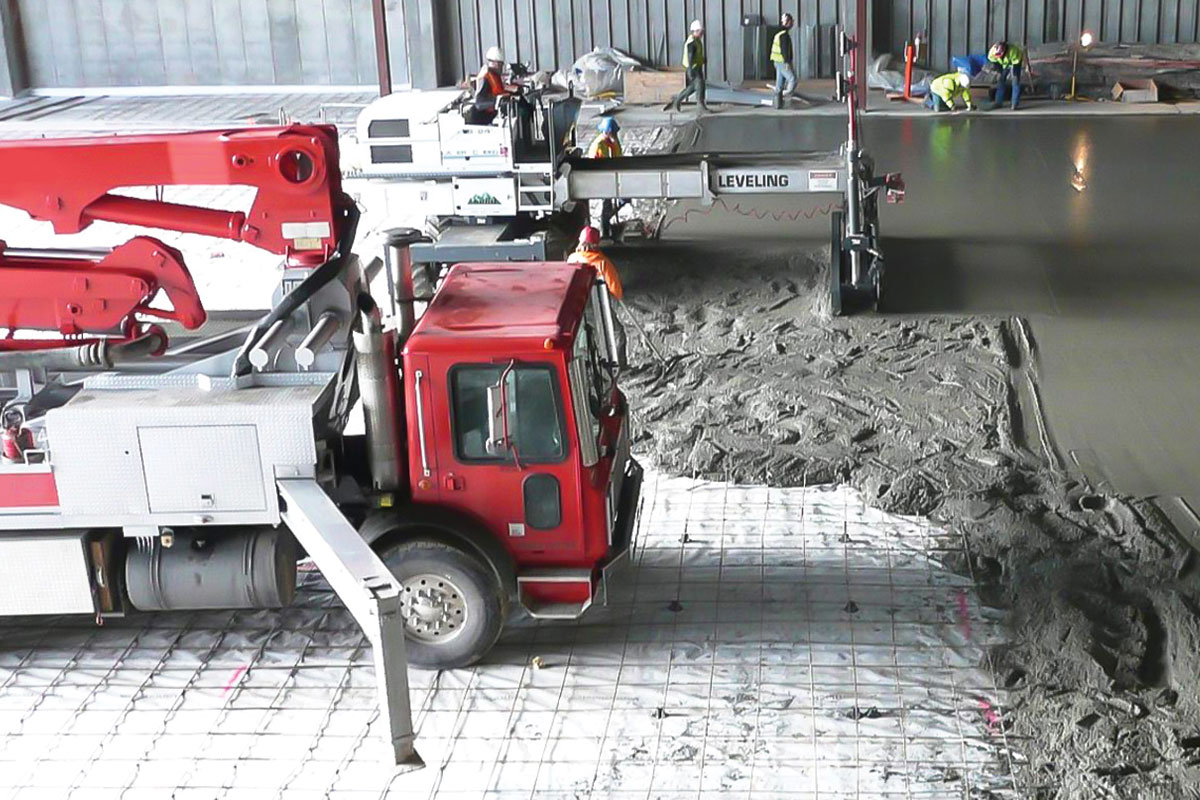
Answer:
(588, 252)
(781, 58)
(606, 145)
(489, 85)
(694, 62)
(944, 90)
(1008, 60)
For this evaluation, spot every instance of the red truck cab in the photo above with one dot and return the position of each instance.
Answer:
(522, 484)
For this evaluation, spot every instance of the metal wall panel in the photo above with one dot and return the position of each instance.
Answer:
(69, 43)
(552, 34)
(96, 43)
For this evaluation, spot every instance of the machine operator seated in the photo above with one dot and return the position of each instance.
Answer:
(489, 87)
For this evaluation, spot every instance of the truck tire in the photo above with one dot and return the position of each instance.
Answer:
(452, 604)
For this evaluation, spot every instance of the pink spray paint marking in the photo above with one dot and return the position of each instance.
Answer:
(233, 680)
(990, 715)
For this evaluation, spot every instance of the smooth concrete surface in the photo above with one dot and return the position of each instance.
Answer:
(1087, 226)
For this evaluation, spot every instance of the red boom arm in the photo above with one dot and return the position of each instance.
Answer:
(68, 182)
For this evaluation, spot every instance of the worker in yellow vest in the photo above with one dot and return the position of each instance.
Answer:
(606, 145)
(781, 58)
(944, 90)
(1008, 60)
(693, 62)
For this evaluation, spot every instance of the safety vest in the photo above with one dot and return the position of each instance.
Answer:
(777, 47)
(494, 83)
(1012, 56)
(698, 44)
(603, 147)
(946, 87)
(604, 268)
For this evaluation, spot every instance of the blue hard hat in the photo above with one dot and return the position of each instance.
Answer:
(608, 125)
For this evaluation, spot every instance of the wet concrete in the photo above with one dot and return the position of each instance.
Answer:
(1087, 227)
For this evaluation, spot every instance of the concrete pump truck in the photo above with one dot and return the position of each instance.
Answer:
(155, 456)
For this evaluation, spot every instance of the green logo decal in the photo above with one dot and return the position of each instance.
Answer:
(483, 199)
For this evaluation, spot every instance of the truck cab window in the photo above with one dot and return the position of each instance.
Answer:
(534, 412)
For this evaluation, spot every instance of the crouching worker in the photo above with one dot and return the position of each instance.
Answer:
(944, 90)
(1008, 60)
(588, 252)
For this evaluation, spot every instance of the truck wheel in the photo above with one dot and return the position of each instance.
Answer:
(452, 604)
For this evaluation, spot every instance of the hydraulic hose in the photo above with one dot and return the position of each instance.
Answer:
(100, 355)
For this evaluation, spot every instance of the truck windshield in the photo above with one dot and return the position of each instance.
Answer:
(534, 412)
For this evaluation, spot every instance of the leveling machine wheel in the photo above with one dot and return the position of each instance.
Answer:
(452, 604)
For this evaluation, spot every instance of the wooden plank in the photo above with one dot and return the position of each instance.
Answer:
(646, 87)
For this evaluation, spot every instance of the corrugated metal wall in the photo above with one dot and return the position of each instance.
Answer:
(80, 43)
(553, 33)
(958, 27)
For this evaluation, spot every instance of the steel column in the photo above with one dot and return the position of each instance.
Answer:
(383, 59)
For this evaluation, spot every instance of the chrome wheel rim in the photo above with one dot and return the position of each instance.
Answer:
(433, 608)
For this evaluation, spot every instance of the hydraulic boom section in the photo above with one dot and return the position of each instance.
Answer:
(298, 212)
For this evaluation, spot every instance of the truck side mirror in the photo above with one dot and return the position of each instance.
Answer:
(497, 439)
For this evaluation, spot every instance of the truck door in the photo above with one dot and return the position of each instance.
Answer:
(512, 455)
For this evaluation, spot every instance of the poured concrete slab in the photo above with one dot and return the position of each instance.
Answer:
(1087, 226)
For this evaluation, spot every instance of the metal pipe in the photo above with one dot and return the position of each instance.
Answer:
(260, 355)
(379, 390)
(318, 337)
(400, 278)
(853, 200)
(81, 254)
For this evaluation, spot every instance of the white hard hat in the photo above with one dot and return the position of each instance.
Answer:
(696, 26)
(494, 54)
(964, 80)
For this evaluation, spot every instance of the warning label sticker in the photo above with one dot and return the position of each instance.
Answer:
(822, 180)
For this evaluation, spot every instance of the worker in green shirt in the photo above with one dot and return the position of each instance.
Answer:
(693, 61)
(944, 90)
(1008, 60)
(781, 58)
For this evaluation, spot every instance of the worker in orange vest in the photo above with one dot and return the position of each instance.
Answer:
(489, 85)
(588, 252)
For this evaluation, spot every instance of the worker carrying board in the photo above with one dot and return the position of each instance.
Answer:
(695, 63)
(489, 86)
(945, 90)
(1008, 60)
(781, 59)
(607, 144)
(588, 252)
